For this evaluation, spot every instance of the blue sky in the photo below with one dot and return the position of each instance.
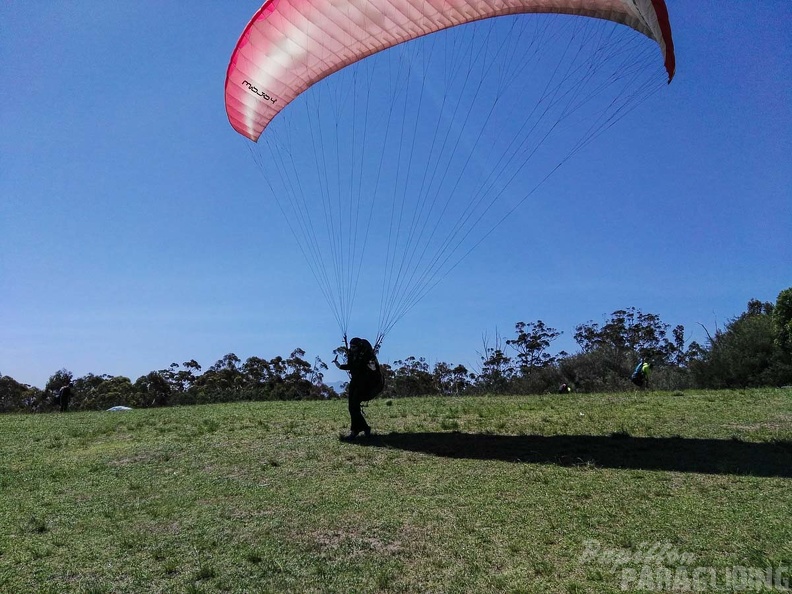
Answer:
(133, 232)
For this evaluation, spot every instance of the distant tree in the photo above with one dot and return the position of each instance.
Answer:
(222, 382)
(450, 380)
(259, 378)
(118, 390)
(292, 378)
(745, 353)
(316, 378)
(299, 370)
(410, 377)
(18, 397)
(533, 340)
(497, 371)
(229, 362)
(758, 308)
(300, 379)
(98, 392)
(610, 351)
(192, 366)
(156, 387)
(461, 379)
(441, 378)
(782, 321)
(627, 333)
(676, 374)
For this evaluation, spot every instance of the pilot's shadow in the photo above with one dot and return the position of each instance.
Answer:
(711, 456)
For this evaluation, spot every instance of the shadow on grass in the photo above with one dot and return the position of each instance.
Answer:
(711, 456)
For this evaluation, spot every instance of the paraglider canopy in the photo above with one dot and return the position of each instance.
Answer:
(290, 45)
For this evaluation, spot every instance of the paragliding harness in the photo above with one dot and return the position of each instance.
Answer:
(363, 358)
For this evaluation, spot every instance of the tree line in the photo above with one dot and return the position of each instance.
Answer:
(753, 349)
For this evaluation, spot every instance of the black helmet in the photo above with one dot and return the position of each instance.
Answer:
(360, 344)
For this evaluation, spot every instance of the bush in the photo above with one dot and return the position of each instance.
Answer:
(597, 371)
(746, 354)
(16, 397)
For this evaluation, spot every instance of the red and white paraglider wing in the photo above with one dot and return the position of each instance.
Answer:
(291, 44)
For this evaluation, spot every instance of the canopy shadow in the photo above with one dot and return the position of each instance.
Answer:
(710, 456)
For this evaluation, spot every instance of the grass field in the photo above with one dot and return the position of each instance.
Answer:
(476, 494)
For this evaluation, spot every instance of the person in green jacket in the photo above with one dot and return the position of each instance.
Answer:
(640, 375)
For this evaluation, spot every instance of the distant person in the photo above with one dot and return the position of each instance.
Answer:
(564, 389)
(64, 395)
(366, 381)
(640, 375)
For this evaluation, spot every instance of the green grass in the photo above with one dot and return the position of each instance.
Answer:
(495, 494)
